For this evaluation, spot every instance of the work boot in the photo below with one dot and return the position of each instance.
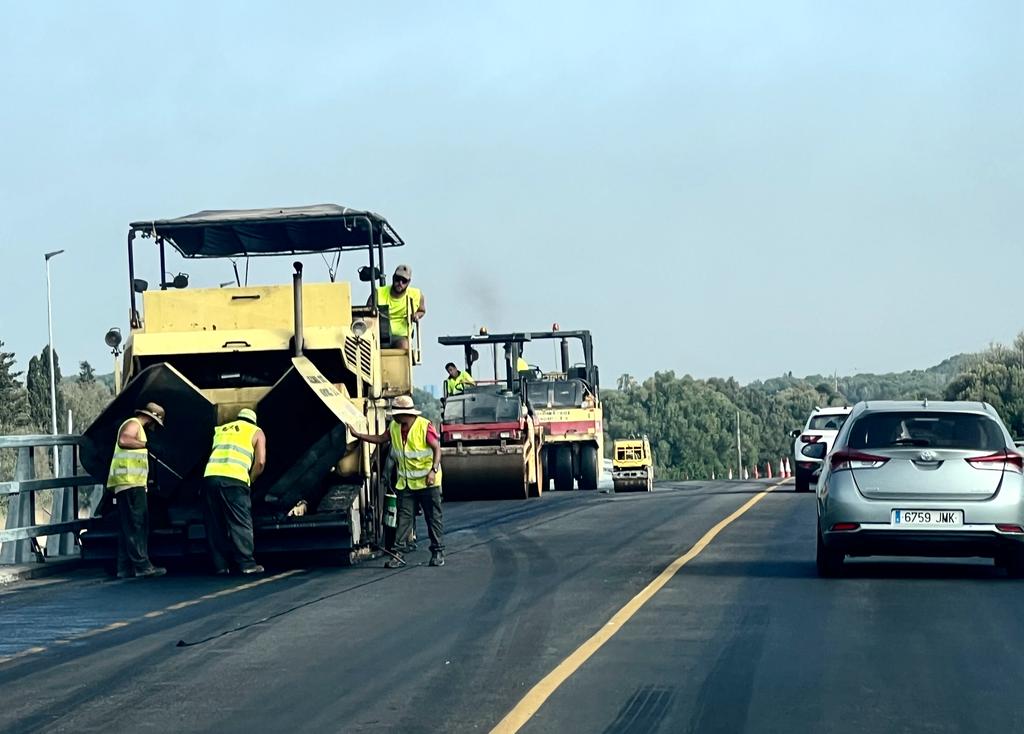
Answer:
(437, 558)
(396, 562)
(254, 568)
(151, 573)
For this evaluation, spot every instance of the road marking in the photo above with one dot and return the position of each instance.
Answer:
(151, 615)
(540, 693)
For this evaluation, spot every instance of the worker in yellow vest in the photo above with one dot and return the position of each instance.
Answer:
(521, 363)
(417, 453)
(128, 477)
(406, 305)
(239, 456)
(458, 380)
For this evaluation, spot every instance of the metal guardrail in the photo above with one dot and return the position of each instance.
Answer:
(19, 537)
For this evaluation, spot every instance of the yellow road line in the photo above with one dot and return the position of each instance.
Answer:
(151, 615)
(535, 698)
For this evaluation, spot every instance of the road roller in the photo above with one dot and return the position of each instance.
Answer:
(490, 441)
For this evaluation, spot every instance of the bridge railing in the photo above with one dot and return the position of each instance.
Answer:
(19, 538)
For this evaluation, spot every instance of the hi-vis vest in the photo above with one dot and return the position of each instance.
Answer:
(129, 467)
(521, 365)
(457, 384)
(414, 458)
(398, 307)
(232, 451)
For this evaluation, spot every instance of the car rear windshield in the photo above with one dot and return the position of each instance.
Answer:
(826, 422)
(935, 430)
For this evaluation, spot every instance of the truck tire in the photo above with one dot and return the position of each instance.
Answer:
(588, 466)
(563, 468)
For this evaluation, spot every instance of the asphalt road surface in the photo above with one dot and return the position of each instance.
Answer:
(742, 638)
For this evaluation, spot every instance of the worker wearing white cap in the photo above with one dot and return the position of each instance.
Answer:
(406, 305)
(417, 453)
(239, 456)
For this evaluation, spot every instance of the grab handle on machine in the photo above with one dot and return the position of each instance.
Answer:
(236, 343)
(246, 297)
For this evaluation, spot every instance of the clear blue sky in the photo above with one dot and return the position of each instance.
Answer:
(716, 188)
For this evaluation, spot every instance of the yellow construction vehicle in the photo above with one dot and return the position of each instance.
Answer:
(568, 407)
(306, 357)
(490, 442)
(632, 465)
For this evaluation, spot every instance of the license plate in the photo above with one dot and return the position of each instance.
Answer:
(933, 518)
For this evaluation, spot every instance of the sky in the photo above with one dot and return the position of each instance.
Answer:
(719, 188)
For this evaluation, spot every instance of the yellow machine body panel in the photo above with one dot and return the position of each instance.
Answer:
(631, 453)
(632, 464)
(262, 308)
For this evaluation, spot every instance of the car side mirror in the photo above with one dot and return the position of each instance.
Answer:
(795, 432)
(814, 450)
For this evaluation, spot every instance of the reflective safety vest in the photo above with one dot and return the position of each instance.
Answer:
(458, 383)
(398, 307)
(129, 467)
(232, 451)
(414, 458)
(521, 365)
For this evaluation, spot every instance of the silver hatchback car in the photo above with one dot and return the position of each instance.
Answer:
(922, 479)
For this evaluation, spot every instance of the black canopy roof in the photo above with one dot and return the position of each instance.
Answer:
(281, 231)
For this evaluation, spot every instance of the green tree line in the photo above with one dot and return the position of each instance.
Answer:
(692, 422)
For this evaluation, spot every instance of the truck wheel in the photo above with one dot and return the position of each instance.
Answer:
(546, 471)
(588, 466)
(563, 468)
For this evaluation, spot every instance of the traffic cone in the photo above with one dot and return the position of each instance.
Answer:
(757, 472)
(768, 464)
(712, 476)
(730, 474)
(789, 468)
(746, 474)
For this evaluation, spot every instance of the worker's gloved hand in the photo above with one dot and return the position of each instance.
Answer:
(299, 510)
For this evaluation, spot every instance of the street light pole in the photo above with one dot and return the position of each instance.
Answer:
(53, 379)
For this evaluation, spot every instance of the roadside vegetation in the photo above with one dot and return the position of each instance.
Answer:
(692, 423)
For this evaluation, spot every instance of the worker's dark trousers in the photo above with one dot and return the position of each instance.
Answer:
(133, 535)
(429, 501)
(228, 510)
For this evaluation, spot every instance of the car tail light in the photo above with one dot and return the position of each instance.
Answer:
(846, 459)
(846, 526)
(807, 438)
(999, 461)
(1004, 528)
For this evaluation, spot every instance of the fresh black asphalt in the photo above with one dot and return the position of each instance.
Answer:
(745, 638)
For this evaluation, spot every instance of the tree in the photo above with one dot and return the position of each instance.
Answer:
(427, 404)
(86, 400)
(13, 401)
(86, 374)
(38, 384)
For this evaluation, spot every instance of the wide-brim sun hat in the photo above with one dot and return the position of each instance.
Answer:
(154, 411)
(403, 405)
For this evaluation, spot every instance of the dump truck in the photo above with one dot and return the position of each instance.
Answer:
(490, 441)
(632, 465)
(567, 404)
(310, 360)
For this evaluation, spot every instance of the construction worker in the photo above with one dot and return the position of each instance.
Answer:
(404, 303)
(128, 477)
(521, 364)
(239, 456)
(417, 452)
(457, 380)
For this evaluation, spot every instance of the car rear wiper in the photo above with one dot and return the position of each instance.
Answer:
(911, 442)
